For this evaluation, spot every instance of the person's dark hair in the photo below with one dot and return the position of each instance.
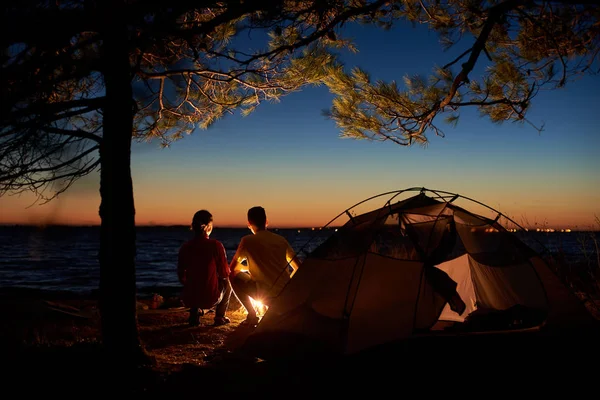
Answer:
(257, 216)
(201, 220)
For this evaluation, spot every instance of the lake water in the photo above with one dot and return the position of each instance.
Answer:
(66, 258)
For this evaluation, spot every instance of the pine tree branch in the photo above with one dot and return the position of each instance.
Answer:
(51, 112)
(319, 33)
(457, 58)
(494, 15)
(76, 133)
(57, 167)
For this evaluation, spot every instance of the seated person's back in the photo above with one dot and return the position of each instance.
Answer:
(268, 256)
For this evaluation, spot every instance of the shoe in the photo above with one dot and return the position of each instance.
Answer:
(221, 321)
(250, 321)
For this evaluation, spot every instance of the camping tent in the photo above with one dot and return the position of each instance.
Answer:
(408, 268)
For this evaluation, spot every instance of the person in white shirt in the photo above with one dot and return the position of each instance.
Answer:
(270, 263)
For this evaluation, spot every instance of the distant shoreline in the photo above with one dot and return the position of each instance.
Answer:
(274, 228)
(157, 226)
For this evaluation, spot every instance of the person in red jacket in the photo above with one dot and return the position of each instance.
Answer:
(203, 271)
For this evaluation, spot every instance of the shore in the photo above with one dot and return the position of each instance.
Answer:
(51, 345)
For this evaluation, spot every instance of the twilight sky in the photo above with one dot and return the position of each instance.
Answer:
(290, 159)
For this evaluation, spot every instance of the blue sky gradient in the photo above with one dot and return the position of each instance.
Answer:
(289, 158)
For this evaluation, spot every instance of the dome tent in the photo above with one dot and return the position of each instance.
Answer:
(405, 269)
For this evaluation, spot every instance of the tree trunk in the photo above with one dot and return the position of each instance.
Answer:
(118, 297)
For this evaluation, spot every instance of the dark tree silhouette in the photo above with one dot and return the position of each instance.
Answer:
(81, 79)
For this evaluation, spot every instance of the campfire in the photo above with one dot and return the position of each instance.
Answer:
(259, 307)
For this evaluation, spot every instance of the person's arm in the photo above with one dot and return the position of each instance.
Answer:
(236, 262)
(295, 264)
(222, 266)
(292, 259)
(181, 266)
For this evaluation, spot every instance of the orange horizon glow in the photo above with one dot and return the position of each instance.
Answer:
(301, 212)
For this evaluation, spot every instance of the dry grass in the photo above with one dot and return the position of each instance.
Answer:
(31, 322)
(58, 351)
(169, 338)
(56, 344)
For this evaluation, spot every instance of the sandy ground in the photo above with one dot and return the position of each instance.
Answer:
(50, 346)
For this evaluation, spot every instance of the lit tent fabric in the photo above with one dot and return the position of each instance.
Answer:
(394, 272)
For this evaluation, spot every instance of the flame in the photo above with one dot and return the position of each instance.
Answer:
(259, 307)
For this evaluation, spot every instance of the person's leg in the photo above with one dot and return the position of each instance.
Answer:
(244, 290)
(223, 304)
(194, 319)
(240, 288)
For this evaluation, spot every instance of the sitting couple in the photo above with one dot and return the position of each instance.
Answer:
(208, 281)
